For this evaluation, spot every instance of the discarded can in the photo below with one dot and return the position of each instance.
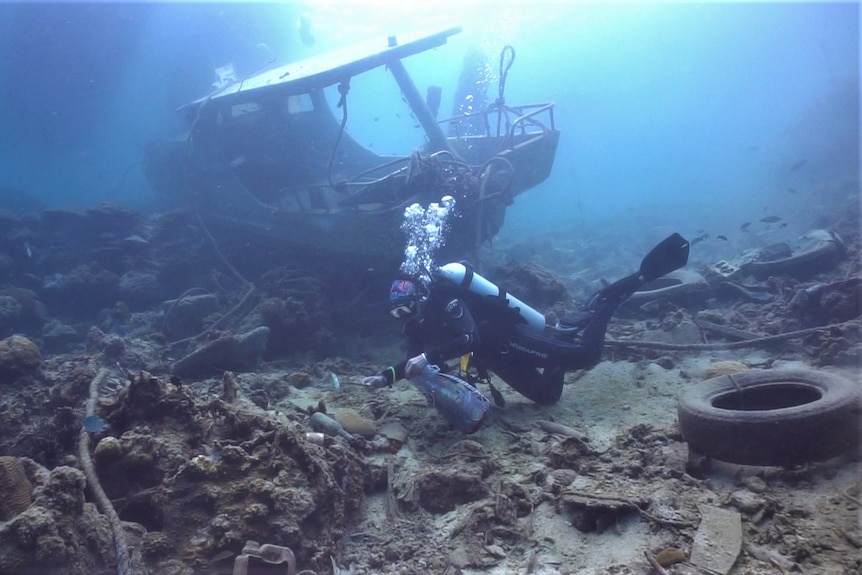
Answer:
(315, 437)
(807, 296)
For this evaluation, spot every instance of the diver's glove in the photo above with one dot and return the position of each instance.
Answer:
(416, 365)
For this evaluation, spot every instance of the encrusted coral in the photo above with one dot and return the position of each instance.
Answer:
(442, 490)
(58, 533)
(353, 422)
(33, 313)
(275, 486)
(108, 450)
(15, 488)
(18, 356)
(63, 492)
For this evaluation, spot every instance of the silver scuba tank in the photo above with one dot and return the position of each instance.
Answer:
(458, 274)
(458, 402)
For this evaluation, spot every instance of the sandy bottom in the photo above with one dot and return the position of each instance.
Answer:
(803, 520)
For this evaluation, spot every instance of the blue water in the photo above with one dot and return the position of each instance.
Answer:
(673, 116)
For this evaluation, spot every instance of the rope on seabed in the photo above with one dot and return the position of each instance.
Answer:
(124, 557)
(247, 284)
(189, 292)
(251, 290)
(727, 345)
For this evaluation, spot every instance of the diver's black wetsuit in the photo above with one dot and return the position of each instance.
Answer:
(453, 322)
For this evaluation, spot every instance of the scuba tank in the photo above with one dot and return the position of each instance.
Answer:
(463, 276)
(458, 402)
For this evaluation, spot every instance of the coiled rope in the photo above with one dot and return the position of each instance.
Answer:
(124, 557)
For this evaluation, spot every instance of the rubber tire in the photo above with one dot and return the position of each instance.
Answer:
(676, 284)
(819, 419)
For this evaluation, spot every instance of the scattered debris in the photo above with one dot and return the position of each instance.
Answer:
(718, 540)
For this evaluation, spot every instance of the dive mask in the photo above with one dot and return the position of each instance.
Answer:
(402, 299)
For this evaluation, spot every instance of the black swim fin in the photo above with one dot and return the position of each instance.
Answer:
(669, 255)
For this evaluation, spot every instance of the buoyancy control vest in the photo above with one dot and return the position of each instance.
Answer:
(464, 276)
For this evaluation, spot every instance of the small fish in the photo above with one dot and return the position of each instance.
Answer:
(720, 237)
(699, 239)
(791, 190)
(136, 240)
(305, 33)
(29, 251)
(222, 556)
(744, 227)
(335, 383)
(95, 424)
(798, 164)
(770, 219)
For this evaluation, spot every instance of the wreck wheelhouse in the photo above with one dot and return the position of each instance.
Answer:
(269, 155)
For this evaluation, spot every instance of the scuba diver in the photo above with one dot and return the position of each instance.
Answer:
(459, 313)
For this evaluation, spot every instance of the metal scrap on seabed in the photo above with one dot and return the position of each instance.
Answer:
(560, 429)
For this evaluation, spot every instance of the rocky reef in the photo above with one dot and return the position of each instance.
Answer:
(59, 532)
(229, 424)
(199, 475)
(19, 357)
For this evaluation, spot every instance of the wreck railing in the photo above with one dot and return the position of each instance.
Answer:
(523, 120)
(525, 117)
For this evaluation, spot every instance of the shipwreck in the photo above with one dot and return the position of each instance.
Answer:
(269, 154)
